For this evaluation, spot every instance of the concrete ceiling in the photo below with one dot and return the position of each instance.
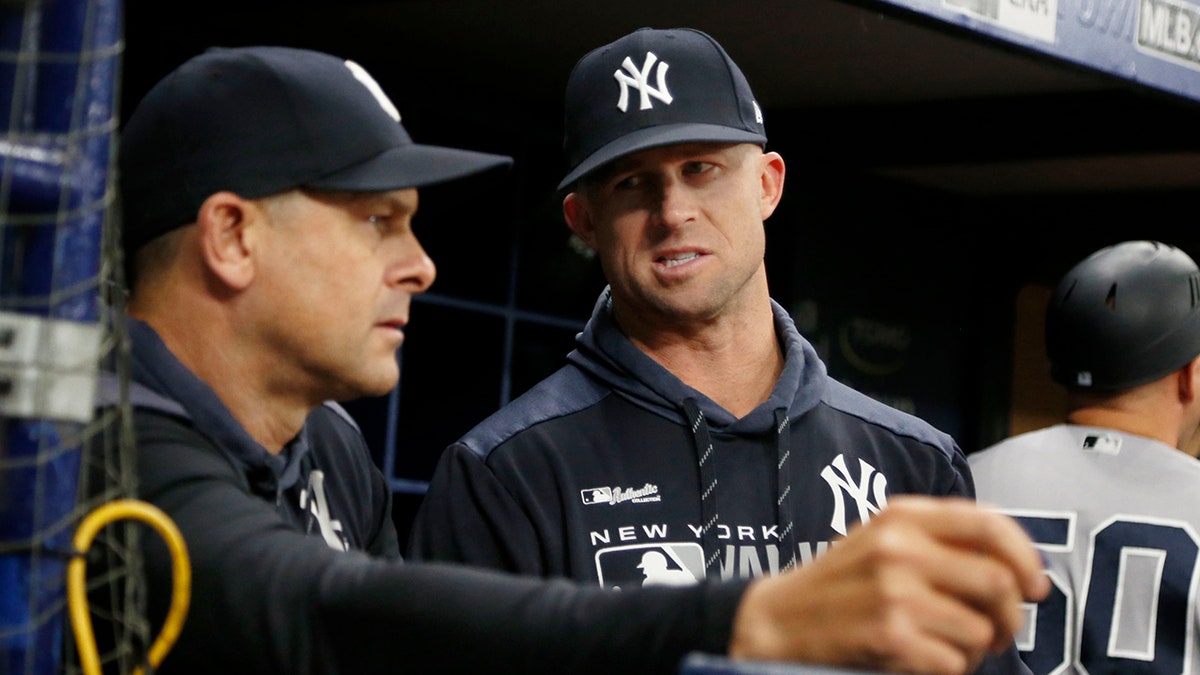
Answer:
(900, 94)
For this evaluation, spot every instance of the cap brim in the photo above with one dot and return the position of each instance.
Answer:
(654, 137)
(409, 166)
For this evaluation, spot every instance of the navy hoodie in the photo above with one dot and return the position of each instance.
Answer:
(613, 471)
(296, 567)
(613, 457)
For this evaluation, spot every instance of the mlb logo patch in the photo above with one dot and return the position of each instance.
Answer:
(658, 564)
(598, 495)
(1108, 444)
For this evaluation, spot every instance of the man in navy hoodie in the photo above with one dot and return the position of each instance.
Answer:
(268, 197)
(692, 421)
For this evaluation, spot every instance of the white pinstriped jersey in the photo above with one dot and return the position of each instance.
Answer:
(1117, 519)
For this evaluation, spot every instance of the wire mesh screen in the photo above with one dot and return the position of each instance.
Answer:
(60, 309)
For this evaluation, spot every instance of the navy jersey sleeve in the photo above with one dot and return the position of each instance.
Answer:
(446, 618)
(266, 598)
(468, 514)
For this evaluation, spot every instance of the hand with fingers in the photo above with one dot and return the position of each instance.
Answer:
(930, 585)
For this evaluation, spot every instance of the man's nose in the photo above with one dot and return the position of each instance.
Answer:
(412, 267)
(677, 204)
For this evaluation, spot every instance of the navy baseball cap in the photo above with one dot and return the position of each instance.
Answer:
(262, 120)
(651, 88)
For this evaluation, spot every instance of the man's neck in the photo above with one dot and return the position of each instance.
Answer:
(268, 417)
(735, 365)
(1137, 422)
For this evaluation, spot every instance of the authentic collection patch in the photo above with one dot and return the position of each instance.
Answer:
(616, 495)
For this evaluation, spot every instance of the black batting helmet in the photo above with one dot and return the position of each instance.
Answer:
(1126, 315)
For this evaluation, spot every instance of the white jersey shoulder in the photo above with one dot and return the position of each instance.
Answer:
(1116, 517)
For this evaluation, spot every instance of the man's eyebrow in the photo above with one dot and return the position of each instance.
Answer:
(603, 173)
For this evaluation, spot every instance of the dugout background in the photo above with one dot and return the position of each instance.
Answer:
(938, 180)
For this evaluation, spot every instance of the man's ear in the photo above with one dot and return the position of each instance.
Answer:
(223, 221)
(1188, 384)
(772, 183)
(576, 214)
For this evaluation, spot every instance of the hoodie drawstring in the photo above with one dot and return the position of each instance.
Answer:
(784, 505)
(708, 485)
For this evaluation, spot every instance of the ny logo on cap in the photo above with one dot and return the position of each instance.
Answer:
(372, 86)
(640, 80)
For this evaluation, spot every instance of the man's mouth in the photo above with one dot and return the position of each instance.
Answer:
(678, 258)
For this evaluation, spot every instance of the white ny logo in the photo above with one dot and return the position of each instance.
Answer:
(372, 86)
(870, 478)
(639, 79)
(313, 499)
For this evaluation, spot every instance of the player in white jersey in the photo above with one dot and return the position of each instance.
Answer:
(1112, 496)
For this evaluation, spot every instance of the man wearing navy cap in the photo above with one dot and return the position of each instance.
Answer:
(692, 406)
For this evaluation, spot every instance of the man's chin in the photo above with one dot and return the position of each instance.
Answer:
(373, 384)
(382, 387)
